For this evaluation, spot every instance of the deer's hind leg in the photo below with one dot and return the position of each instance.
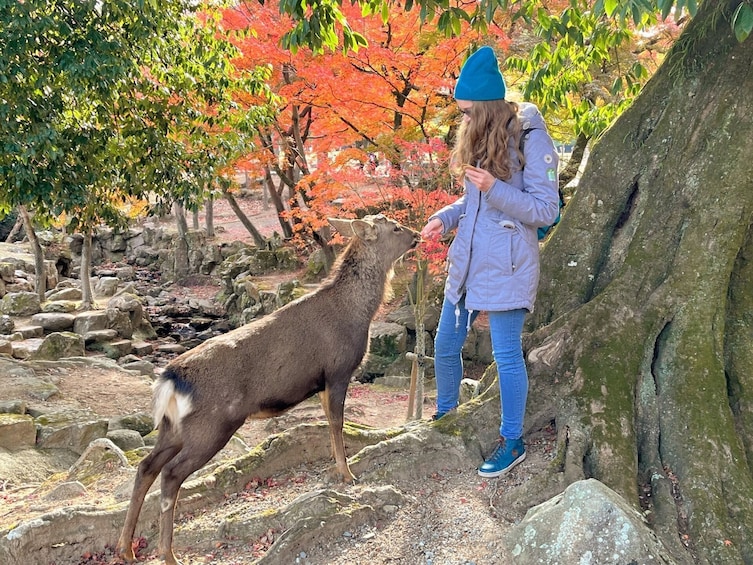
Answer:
(333, 402)
(167, 447)
(203, 437)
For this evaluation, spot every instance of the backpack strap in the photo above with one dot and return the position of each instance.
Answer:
(543, 231)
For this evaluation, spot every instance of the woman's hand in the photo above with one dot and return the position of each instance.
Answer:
(433, 229)
(481, 178)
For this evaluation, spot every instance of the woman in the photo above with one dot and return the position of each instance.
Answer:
(493, 262)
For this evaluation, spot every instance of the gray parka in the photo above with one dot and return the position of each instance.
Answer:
(494, 258)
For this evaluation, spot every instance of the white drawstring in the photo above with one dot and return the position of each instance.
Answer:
(457, 316)
(468, 325)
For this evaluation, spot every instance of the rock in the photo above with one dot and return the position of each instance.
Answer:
(387, 339)
(12, 407)
(90, 321)
(27, 348)
(17, 431)
(98, 336)
(100, 455)
(7, 271)
(175, 348)
(113, 349)
(142, 366)
(405, 317)
(58, 306)
(59, 345)
(125, 273)
(469, 388)
(588, 523)
(66, 491)
(28, 332)
(139, 422)
(20, 304)
(6, 324)
(65, 294)
(120, 321)
(126, 440)
(106, 286)
(142, 348)
(130, 304)
(53, 322)
(6, 347)
(69, 429)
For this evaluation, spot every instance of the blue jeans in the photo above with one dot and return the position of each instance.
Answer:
(506, 330)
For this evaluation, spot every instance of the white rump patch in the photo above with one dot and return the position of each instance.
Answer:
(167, 403)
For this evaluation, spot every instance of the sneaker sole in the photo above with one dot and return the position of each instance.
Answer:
(494, 474)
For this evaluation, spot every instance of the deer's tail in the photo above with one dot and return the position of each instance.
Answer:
(168, 402)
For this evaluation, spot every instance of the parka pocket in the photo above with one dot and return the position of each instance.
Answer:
(499, 253)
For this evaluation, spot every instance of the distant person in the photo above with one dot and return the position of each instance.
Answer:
(493, 261)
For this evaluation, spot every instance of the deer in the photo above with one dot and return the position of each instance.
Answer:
(310, 346)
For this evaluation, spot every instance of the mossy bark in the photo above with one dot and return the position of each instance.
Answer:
(640, 348)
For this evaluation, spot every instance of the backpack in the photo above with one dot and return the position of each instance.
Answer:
(544, 230)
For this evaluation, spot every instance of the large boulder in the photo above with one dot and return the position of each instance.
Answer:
(587, 523)
(69, 429)
(59, 345)
(17, 431)
(53, 321)
(20, 304)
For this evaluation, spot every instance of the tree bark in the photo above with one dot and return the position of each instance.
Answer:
(87, 296)
(276, 197)
(40, 285)
(641, 345)
(180, 267)
(209, 216)
(259, 240)
(15, 230)
(576, 159)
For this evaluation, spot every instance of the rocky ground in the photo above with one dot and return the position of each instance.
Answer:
(451, 516)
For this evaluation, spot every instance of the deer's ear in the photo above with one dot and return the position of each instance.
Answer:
(345, 227)
(364, 230)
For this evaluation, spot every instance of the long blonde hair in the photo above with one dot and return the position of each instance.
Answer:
(484, 139)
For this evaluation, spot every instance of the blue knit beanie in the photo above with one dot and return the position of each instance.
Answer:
(480, 78)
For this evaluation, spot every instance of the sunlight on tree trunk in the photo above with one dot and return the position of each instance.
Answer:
(40, 284)
(209, 216)
(576, 160)
(87, 296)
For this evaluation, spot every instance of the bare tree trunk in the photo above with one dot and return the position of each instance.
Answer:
(195, 223)
(259, 240)
(181, 243)
(576, 159)
(40, 272)
(87, 296)
(274, 195)
(15, 229)
(418, 367)
(209, 216)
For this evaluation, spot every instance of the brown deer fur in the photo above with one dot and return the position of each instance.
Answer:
(312, 345)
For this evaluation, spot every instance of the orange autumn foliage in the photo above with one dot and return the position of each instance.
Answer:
(359, 132)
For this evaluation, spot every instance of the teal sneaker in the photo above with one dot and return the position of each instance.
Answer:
(506, 454)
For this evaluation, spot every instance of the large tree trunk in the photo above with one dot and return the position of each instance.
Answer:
(642, 341)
